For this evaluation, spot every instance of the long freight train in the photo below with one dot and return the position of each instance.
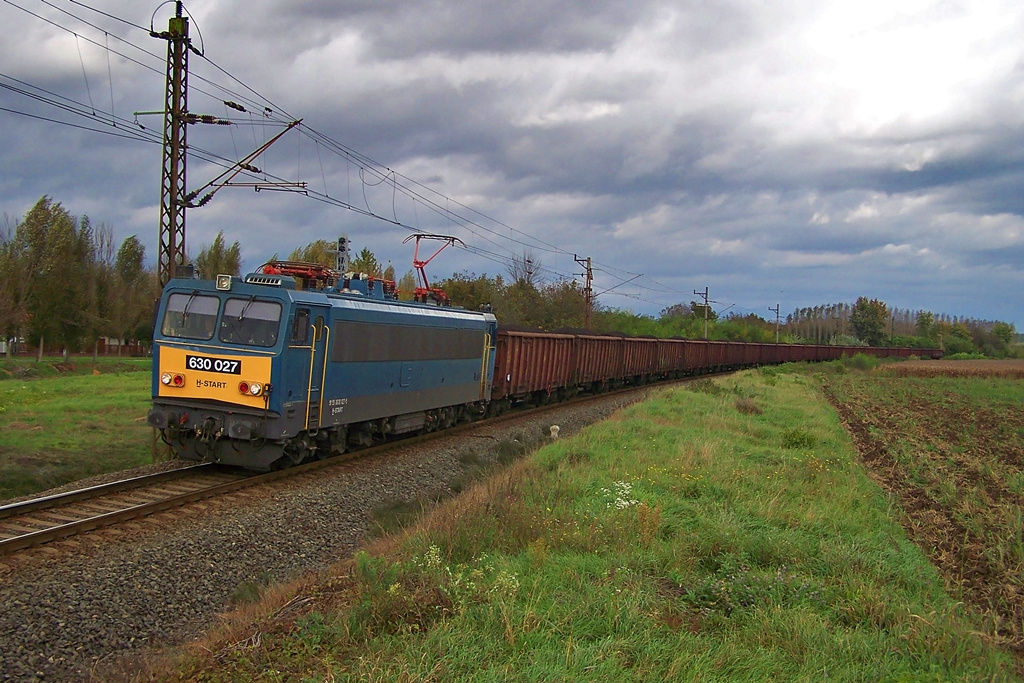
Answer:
(260, 373)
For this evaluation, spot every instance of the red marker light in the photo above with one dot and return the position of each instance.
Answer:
(243, 387)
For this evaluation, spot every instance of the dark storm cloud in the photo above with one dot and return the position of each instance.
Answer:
(793, 154)
(399, 30)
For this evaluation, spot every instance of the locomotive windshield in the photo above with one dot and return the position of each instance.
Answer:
(191, 316)
(249, 321)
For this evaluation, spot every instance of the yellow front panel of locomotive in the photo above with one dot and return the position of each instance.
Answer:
(214, 376)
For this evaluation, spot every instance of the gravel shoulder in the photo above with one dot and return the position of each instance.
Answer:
(73, 606)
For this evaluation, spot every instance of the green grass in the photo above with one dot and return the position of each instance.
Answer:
(26, 367)
(683, 539)
(59, 429)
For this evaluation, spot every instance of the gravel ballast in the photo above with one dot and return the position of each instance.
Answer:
(160, 581)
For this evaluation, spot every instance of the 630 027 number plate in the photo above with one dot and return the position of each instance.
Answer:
(208, 364)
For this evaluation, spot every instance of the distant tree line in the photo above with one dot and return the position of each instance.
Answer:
(65, 284)
(521, 297)
(872, 322)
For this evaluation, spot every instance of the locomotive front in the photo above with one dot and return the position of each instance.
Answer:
(214, 352)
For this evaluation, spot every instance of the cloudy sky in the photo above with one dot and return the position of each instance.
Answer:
(797, 152)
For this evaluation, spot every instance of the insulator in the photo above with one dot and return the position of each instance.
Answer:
(235, 106)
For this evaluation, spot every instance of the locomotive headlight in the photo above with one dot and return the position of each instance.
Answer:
(172, 379)
(250, 388)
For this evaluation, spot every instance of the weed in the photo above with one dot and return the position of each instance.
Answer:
(251, 590)
(748, 406)
(860, 361)
(965, 356)
(649, 521)
(507, 452)
(619, 496)
(705, 386)
(798, 438)
(395, 515)
(741, 588)
(470, 458)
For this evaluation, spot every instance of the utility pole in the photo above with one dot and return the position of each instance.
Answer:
(776, 311)
(172, 183)
(588, 292)
(173, 197)
(704, 294)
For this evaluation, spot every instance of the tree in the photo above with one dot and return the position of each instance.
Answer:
(472, 291)
(525, 268)
(675, 311)
(12, 309)
(104, 288)
(925, 324)
(406, 286)
(134, 289)
(870, 318)
(1005, 332)
(322, 252)
(367, 263)
(86, 321)
(49, 246)
(219, 259)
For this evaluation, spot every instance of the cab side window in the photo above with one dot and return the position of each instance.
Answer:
(300, 328)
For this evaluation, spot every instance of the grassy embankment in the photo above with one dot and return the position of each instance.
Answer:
(62, 422)
(724, 533)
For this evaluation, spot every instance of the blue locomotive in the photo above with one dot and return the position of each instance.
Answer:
(261, 373)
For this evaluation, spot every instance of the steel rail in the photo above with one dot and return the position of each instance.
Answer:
(59, 499)
(97, 493)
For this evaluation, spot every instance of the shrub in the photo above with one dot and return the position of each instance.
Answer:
(747, 406)
(860, 361)
(797, 438)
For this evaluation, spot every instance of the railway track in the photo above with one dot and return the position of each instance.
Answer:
(49, 518)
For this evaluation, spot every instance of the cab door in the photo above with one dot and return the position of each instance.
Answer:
(320, 332)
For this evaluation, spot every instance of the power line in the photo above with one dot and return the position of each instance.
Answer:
(109, 16)
(269, 113)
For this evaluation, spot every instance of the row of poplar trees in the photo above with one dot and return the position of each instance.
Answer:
(64, 284)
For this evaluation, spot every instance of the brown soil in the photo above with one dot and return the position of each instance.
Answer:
(948, 461)
(1009, 369)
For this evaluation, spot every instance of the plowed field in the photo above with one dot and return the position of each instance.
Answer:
(1007, 369)
(950, 450)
